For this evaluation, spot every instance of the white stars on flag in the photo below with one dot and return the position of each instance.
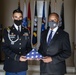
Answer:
(33, 54)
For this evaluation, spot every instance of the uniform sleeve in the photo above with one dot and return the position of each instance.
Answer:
(5, 47)
(66, 51)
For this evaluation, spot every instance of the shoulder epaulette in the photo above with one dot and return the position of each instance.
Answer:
(8, 28)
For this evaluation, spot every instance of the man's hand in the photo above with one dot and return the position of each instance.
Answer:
(23, 58)
(30, 59)
(47, 59)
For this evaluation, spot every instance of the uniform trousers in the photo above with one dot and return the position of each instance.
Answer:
(16, 73)
(49, 74)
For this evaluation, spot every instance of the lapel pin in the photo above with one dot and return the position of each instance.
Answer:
(57, 33)
(13, 28)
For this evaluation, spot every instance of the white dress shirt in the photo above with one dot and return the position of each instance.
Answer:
(17, 27)
(53, 33)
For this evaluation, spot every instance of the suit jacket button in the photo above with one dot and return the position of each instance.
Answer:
(20, 48)
(19, 52)
(19, 39)
(47, 50)
(19, 43)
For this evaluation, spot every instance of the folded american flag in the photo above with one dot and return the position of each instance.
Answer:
(34, 54)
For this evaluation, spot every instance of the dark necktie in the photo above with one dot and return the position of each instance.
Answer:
(50, 36)
(18, 29)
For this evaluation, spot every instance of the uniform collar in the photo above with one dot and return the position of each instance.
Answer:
(16, 26)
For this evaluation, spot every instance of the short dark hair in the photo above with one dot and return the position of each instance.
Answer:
(53, 13)
(17, 11)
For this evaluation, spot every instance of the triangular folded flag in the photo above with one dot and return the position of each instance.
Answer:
(33, 54)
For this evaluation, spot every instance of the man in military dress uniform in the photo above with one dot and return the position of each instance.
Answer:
(16, 44)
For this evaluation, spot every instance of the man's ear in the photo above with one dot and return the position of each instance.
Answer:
(12, 18)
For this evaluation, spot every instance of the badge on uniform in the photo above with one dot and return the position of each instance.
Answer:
(12, 35)
(26, 35)
(3, 40)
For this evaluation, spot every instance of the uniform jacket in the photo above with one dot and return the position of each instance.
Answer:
(13, 50)
(59, 49)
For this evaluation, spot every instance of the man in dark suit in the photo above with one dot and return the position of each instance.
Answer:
(16, 44)
(55, 48)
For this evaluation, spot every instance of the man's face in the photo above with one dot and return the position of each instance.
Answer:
(17, 16)
(53, 21)
(54, 18)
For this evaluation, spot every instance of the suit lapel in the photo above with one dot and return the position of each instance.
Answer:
(13, 29)
(22, 31)
(45, 37)
(55, 37)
